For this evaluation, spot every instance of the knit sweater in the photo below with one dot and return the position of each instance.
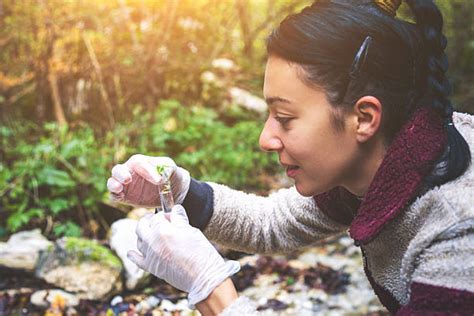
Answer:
(419, 258)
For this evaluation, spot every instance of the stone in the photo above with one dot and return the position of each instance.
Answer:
(81, 266)
(45, 298)
(22, 250)
(168, 306)
(143, 307)
(223, 64)
(139, 212)
(122, 239)
(153, 301)
(247, 100)
(208, 77)
(116, 300)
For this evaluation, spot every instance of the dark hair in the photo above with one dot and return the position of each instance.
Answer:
(405, 66)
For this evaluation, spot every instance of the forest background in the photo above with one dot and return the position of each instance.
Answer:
(85, 84)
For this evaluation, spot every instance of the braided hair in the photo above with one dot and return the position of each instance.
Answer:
(404, 67)
(437, 89)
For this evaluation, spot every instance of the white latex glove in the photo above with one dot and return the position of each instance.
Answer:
(137, 181)
(180, 254)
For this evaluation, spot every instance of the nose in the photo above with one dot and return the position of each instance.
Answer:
(269, 141)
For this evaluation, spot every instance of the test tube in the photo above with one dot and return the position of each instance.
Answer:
(166, 195)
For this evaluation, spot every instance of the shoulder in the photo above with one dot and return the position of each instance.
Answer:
(454, 199)
(464, 122)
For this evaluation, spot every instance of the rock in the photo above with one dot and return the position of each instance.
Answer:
(223, 64)
(247, 100)
(143, 307)
(71, 311)
(168, 306)
(123, 238)
(22, 250)
(153, 301)
(45, 298)
(116, 300)
(138, 213)
(208, 77)
(81, 266)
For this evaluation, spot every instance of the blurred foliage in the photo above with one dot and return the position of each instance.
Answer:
(55, 176)
(98, 69)
(94, 60)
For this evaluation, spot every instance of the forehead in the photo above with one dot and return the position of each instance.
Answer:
(283, 80)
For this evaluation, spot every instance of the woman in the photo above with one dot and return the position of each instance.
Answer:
(360, 118)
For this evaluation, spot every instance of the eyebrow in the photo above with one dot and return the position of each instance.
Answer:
(272, 100)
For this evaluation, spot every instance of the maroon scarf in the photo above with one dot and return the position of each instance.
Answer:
(409, 159)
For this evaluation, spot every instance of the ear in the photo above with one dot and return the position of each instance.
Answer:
(368, 111)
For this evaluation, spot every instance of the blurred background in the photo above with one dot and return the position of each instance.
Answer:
(85, 84)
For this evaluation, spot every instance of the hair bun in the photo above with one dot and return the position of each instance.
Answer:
(389, 6)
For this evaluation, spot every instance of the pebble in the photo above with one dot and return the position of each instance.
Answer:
(116, 300)
(153, 301)
(44, 298)
(167, 306)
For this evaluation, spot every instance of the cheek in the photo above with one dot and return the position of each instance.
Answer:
(324, 153)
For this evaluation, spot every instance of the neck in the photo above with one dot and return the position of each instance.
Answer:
(365, 167)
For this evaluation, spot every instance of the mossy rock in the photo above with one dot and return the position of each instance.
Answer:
(81, 266)
(85, 249)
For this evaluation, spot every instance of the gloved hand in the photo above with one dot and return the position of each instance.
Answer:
(180, 254)
(137, 181)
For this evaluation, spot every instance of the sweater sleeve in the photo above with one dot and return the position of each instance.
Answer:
(240, 307)
(278, 223)
(443, 281)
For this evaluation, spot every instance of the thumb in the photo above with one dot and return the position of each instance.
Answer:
(178, 215)
(136, 258)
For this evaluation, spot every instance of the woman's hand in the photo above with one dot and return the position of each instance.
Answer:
(137, 181)
(180, 254)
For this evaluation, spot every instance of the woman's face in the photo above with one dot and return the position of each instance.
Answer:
(300, 128)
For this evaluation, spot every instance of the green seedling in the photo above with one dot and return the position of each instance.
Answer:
(164, 190)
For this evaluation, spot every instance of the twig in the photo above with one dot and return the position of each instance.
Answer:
(49, 225)
(98, 70)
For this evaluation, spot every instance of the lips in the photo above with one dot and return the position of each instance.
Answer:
(292, 170)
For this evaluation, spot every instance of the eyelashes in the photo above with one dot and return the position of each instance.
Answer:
(284, 121)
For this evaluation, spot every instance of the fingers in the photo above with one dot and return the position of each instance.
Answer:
(141, 165)
(143, 227)
(114, 186)
(156, 220)
(150, 223)
(122, 174)
(141, 246)
(178, 215)
(136, 258)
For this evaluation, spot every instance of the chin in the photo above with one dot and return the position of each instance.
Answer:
(309, 190)
(305, 191)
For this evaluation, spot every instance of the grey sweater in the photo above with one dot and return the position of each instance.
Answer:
(428, 249)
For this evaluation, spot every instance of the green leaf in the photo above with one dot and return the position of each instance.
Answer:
(17, 220)
(5, 131)
(3, 232)
(44, 148)
(70, 149)
(68, 228)
(55, 177)
(58, 205)
(35, 212)
(290, 281)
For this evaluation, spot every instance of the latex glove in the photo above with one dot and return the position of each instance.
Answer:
(137, 181)
(180, 254)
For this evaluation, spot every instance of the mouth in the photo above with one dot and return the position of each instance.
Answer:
(292, 170)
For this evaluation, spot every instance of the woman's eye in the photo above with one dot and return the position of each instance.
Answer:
(283, 120)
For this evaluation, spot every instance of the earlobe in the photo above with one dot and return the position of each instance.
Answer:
(368, 110)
